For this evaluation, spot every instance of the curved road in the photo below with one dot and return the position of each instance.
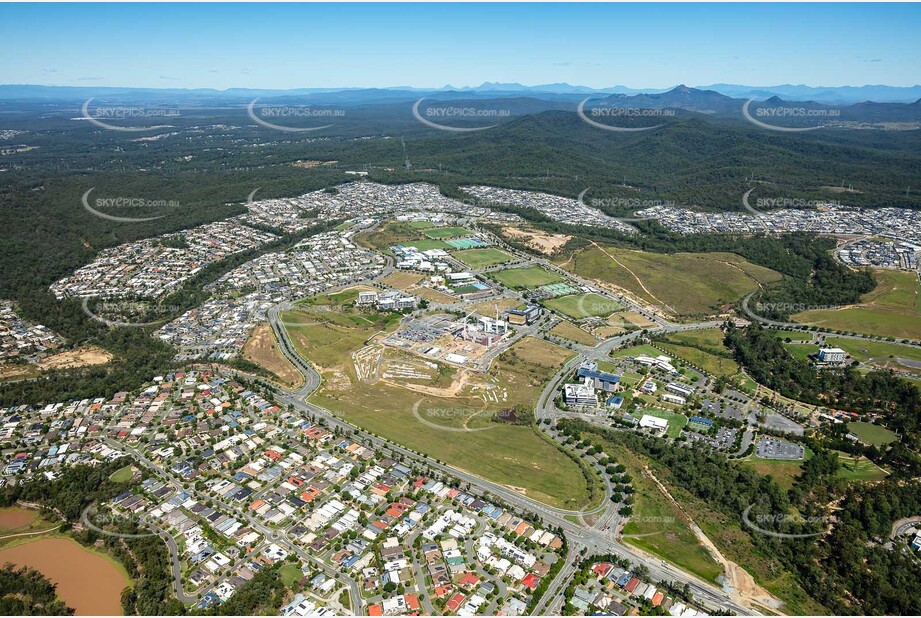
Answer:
(580, 537)
(175, 563)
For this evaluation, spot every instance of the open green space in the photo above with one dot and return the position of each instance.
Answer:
(656, 525)
(893, 309)
(710, 363)
(660, 528)
(481, 258)
(525, 278)
(636, 350)
(424, 244)
(868, 433)
(793, 335)
(705, 349)
(122, 475)
(864, 349)
(421, 225)
(290, 574)
(783, 471)
(579, 306)
(568, 330)
(685, 283)
(859, 469)
(400, 233)
(442, 233)
(802, 351)
(676, 422)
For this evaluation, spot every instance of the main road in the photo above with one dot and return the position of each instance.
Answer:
(580, 537)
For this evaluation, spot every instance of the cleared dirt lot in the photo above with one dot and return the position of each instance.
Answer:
(541, 242)
(263, 350)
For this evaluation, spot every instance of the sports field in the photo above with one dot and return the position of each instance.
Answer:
(872, 434)
(396, 233)
(481, 258)
(442, 233)
(579, 306)
(525, 278)
(676, 422)
(893, 309)
(685, 284)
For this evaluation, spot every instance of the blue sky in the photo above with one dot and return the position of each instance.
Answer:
(430, 45)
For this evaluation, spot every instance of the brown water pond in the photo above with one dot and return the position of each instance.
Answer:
(87, 581)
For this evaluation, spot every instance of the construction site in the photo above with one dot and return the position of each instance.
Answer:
(469, 342)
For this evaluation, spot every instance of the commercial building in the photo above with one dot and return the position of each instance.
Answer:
(580, 394)
(832, 355)
(653, 422)
(600, 380)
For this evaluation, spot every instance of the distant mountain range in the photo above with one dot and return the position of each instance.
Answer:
(830, 95)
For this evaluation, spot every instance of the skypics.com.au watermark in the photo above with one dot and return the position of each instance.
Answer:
(128, 313)
(448, 113)
(125, 202)
(620, 203)
(793, 307)
(589, 305)
(778, 203)
(459, 415)
(787, 112)
(621, 112)
(282, 113)
(633, 203)
(757, 521)
(101, 116)
(631, 112)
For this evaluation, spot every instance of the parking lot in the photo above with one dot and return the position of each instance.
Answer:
(769, 448)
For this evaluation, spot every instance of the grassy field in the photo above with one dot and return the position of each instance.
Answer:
(397, 233)
(704, 348)
(402, 280)
(456, 424)
(872, 434)
(322, 337)
(859, 469)
(440, 233)
(783, 335)
(290, 574)
(783, 472)
(711, 363)
(481, 258)
(685, 283)
(568, 330)
(578, 306)
(526, 278)
(421, 225)
(676, 422)
(636, 350)
(122, 475)
(862, 349)
(657, 526)
(893, 309)
(801, 351)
